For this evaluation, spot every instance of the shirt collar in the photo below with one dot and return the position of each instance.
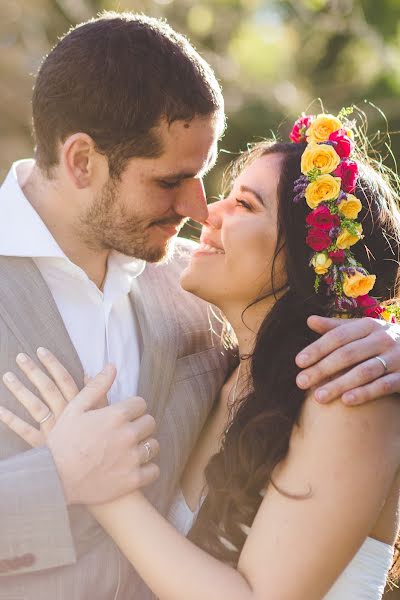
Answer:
(23, 233)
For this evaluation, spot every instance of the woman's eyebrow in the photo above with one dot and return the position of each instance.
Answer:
(244, 188)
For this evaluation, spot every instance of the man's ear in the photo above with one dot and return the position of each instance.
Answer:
(78, 156)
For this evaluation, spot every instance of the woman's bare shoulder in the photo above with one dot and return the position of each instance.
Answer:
(372, 424)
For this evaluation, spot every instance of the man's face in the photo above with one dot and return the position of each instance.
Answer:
(141, 212)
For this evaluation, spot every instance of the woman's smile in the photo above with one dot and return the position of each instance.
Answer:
(205, 250)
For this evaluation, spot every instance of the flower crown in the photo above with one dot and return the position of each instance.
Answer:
(328, 182)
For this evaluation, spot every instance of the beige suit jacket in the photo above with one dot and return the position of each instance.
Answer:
(49, 551)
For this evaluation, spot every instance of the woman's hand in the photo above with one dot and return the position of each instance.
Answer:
(351, 343)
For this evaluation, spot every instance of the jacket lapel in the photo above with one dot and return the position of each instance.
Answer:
(29, 310)
(157, 318)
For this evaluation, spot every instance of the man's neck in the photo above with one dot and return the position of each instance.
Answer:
(47, 197)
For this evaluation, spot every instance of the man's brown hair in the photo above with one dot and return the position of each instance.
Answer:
(115, 78)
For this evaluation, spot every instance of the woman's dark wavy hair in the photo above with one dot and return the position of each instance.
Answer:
(259, 433)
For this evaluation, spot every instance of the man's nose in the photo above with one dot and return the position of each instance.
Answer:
(191, 201)
(215, 214)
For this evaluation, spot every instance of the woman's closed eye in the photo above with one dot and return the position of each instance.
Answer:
(243, 203)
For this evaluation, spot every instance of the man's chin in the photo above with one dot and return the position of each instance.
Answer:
(156, 254)
(166, 253)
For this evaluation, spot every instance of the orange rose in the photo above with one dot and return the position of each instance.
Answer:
(358, 284)
(322, 127)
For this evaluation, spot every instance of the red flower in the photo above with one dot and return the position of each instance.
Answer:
(318, 239)
(374, 312)
(298, 133)
(366, 301)
(370, 306)
(322, 218)
(337, 256)
(342, 143)
(348, 172)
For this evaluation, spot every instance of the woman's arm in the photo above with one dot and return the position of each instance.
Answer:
(343, 460)
(172, 566)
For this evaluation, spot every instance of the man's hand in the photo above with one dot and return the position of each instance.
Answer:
(349, 343)
(100, 453)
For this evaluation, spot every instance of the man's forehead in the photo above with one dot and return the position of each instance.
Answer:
(186, 168)
(203, 130)
(190, 150)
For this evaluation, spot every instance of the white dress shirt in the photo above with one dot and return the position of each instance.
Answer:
(102, 325)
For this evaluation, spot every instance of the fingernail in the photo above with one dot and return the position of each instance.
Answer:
(321, 395)
(302, 380)
(42, 352)
(9, 377)
(107, 369)
(349, 398)
(302, 359)
(22, 358)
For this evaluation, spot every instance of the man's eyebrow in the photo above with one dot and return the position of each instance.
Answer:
(244, 188)
(180, 175)
(177, 176)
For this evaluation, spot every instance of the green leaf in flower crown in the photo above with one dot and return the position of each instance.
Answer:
(345, 112)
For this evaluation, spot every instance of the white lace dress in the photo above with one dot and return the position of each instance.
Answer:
(364, 578)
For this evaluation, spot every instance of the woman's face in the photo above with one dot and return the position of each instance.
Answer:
(233, 264)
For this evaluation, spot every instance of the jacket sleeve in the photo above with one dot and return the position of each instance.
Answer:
(34, 522)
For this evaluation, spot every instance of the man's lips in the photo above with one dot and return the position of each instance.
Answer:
(169, 226)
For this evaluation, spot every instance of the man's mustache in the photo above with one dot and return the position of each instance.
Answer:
(174, 221)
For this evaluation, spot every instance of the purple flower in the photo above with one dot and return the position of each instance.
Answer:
(342, 196)
(334, 232)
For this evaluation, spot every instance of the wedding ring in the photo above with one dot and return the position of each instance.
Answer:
(47, 417)
(148, 450)
(383, 363)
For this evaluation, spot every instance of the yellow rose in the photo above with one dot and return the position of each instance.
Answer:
(347, 239)
(322, 127)
(386, 315)
(321, 263)
(325, 187)
(358, 284)
(350, 207)
(319, 156)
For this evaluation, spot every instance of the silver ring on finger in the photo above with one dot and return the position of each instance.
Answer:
(383, 363)
(147, 446)
(46, 418)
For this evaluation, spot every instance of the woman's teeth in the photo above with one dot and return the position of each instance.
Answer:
(210, 249)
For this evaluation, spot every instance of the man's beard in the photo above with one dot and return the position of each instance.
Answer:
(107, 226)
